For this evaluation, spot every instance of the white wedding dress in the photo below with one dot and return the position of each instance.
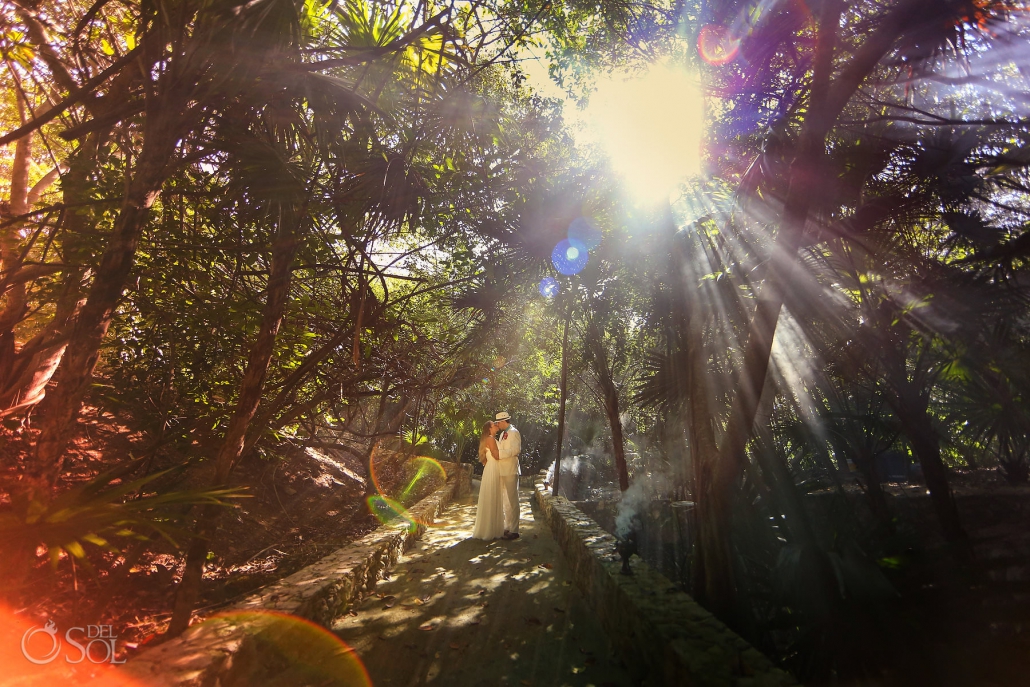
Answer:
(489, 512)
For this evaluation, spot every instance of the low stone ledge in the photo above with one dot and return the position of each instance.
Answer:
(664, 635)
(226, 651)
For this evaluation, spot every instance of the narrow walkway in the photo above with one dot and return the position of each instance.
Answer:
(460, 612)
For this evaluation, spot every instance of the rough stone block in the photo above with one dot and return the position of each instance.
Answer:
(664, 634)
(225, 652)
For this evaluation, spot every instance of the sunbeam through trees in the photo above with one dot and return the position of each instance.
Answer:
(751, 278)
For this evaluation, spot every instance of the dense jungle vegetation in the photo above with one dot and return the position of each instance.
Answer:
(238, 233)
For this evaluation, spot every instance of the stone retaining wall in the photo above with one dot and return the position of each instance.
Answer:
(228, 651)
(660, 632)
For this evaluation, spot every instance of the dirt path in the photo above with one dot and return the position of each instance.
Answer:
(463, 612)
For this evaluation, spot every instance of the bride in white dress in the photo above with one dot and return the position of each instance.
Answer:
(489, 512)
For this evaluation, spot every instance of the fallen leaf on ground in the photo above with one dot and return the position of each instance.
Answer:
(390, 604)
(455, 645)
(352, 612)
(559, 610)
(525, 682)
(546, 565)
(531, 620)
(383, 637)
(475, 622)
(427, 626)
(482, 592)
(576, 670)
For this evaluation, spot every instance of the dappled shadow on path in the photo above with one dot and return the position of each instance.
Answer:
(460, 611)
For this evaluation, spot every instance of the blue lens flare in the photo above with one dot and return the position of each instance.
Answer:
(585, 233)
(548, 287)
(569, 256)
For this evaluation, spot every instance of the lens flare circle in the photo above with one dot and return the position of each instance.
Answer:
(549, 287)
(309, 653)
(399, 478)
(569, 257)
(424, 469)
(390, 512)
(716, 45)
(584, 232)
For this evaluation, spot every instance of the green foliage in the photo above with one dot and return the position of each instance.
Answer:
(426, 186)
(108, 508)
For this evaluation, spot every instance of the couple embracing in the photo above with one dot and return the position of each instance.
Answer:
(498, 512)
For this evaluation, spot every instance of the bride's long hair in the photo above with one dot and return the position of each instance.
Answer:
(488, 432)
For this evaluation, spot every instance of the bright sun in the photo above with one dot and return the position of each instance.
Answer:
(651, 126)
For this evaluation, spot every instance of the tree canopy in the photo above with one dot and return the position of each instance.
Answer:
(238, 227)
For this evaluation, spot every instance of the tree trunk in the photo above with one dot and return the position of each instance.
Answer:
(359, 317)
(825, 105)
(26, 387)
(382, 429)
(283, 251)
(611, 407)
(63, 404)
(757, 345)
(563, 390)
(609, 397)
(776, 472)
(714, 581)
(26, 373)
(926, 445)
(10, 258)
(32, 367)
(866, 463)
(23, 382)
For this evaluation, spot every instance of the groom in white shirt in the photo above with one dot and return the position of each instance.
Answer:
(509, 443)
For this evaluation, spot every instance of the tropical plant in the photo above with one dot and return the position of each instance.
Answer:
(109, 508)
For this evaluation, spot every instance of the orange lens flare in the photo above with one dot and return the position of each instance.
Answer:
(297, 651)
(425, 468)
(716, 45)
(398, 479)
(386, 510)
(58, 653)
(290, 650)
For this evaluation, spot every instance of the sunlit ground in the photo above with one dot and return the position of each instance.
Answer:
(460, 611)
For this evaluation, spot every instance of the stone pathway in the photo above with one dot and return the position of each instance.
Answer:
(463, 612)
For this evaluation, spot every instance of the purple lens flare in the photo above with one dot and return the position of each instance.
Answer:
(569, 256)
(586, 233)
(549, 287)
